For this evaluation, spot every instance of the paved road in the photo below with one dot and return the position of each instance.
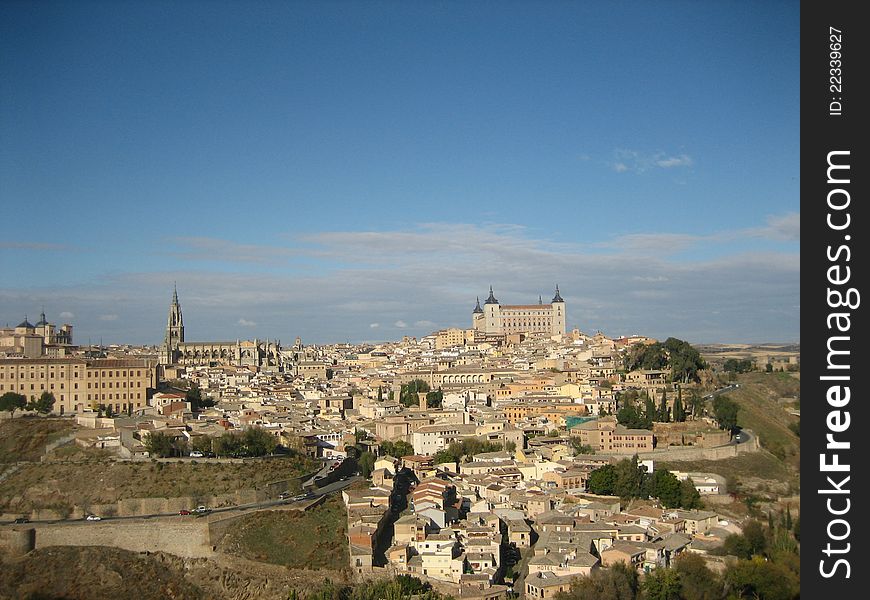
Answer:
(325, 490)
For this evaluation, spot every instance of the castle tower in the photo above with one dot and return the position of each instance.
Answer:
(174, 332)
(492, 314)
(477, 317)
(559, 317)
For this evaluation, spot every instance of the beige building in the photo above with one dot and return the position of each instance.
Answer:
(32, 341)
(508, 319)
(80, 384)
(546, 584)
(606, 435)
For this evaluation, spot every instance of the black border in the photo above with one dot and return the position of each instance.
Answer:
(822, 133)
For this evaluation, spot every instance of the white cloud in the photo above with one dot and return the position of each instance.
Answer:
(246, 323)
(629, 284)
(674, 161)
(637, 162)
(110, 317)
(67, 315)
(783, 227)
(214, 249)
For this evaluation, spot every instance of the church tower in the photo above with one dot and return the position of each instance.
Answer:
(174, 332)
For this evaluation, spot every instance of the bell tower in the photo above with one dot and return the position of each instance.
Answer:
(174, 332)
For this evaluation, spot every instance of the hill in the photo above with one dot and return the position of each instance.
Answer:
(314, 539)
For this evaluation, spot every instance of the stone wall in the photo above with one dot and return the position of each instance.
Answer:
(677, 453)
(184, 536)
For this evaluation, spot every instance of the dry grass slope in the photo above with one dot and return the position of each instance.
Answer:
(25, 438)
(316, 539)
(103, 481)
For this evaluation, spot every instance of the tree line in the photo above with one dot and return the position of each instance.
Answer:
(12, 401)
(252, 442)
(680, 357)
(629, 480)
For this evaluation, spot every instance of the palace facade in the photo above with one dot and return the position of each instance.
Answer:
(497, 319)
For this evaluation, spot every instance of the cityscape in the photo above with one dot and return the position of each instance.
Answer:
(335, 301)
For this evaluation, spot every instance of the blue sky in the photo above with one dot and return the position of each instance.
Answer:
(361, 171)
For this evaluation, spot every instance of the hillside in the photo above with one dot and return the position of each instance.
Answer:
(315, 539)
(25, 438)
(764, 400)
(98, 573)
(61, 484)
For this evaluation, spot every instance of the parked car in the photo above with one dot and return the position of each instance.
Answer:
(184, 511)
(21, 520)
(283, 495)
(202, 509)
(93, 518)
(196, 454)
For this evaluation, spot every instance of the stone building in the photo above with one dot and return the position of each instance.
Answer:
(240, 353)
(497, 319)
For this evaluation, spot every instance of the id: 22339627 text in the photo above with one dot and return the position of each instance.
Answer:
(835, 87)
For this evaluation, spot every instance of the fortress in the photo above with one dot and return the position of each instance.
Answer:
(498, 319)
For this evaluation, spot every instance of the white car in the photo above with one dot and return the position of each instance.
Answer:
(196, 454)
(93, 518)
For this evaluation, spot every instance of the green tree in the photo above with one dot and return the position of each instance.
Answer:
(664, 411)
(697, 581)
(228, 444)
(629, 416)
(434, 399)
(579, 447)
(690, 498)
(685, 361)
(646, 357)
(666, 487)
(43, 405)
(760, 578)
(602, 480)
(650, 412)
(619, 582)
(256, 441)
(397, 449)
(696, 404)
(366, 462)
(662, 584)
(361, 435)
(10, 401)
(196, 399)
(408, 392)
(160, 445)
(201, 443)
(725, 412)
(733, 365)
(629, 478)
(679, 410)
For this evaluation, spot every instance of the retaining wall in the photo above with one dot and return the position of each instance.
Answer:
(182, 537)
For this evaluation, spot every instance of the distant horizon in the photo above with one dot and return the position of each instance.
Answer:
(344, 170)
